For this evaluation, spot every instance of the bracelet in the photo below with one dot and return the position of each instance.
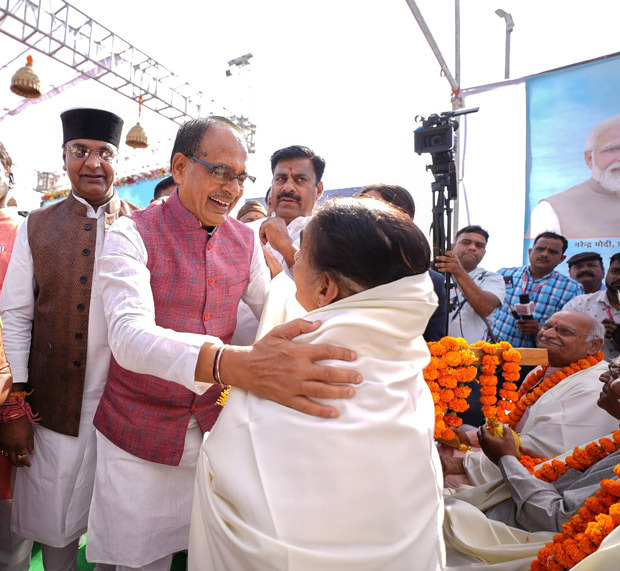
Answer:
(15, 407)
(216, 364)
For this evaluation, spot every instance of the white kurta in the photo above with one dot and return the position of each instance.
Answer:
(140, 510)
(52, 498)
(247, 323)
(277, 489)
(564, 417)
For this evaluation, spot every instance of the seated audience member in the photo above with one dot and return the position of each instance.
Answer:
(587, 269)
(604, 306)
(547, 289)
(276, 490)
(399, 197)
(563, 411)
(164, 188)
(504, 524)
(252, 210)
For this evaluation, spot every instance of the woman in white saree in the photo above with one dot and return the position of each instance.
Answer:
(277, 489)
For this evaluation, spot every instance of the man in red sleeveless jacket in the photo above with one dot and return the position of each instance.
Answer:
(172, 277)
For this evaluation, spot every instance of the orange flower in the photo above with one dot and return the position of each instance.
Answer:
(458, 405)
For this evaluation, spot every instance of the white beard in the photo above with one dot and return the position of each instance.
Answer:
(607, 178)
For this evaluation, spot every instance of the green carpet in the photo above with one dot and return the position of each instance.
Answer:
(36, 563)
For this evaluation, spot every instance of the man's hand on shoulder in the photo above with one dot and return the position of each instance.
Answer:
(277, 369)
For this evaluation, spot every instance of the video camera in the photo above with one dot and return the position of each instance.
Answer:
(436, 135)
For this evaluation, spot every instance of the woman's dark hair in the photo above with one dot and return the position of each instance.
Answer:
(363, 244)
(394, 194)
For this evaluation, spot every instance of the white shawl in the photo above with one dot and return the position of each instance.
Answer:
(278, 489)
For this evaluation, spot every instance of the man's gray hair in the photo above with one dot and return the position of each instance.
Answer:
(600, 128)
(597, 332)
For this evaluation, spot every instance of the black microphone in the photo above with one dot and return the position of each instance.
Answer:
(525, 307)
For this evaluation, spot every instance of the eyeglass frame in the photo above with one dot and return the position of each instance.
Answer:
(88, 152)
(212, 168)
(563, 330)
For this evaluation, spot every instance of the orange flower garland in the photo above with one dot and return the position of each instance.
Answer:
(491, 408)
(585, 531)
(581, 458)
(530, 392)
(447, 375)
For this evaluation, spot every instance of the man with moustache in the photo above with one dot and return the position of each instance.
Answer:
(587, 269)
(295, 188)
(592, 208)
(172, 276)
(547, 289)
(604, 306)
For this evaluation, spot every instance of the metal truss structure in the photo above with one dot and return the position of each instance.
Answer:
(69, 36)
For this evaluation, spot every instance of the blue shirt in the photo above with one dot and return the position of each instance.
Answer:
(549, 294)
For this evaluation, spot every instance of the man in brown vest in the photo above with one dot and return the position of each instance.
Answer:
(56, 340)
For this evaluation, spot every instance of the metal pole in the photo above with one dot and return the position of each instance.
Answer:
(457, 101)
(509, 27)
(431, 42)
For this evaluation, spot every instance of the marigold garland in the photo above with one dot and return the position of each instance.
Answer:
(581, 459)
(447, 374)
(451, 369)
(585, 531)
(530, 391)
(491, 407)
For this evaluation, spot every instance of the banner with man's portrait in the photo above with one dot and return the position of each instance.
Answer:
(551, 159)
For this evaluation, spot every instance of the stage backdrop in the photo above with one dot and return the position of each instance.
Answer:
(525, 145)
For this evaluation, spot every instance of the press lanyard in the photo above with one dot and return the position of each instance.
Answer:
(542, 283)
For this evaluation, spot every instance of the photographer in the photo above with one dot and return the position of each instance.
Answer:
(604, 306)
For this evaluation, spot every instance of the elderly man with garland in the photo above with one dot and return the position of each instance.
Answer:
(506, 523)
(56, 340)
(547, 289)
(604, 306)
(561, 409)
(172, 276)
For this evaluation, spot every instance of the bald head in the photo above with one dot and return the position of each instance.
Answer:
(569, 336)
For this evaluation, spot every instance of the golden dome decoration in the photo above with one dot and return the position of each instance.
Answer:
(25, 81)
(136, 137)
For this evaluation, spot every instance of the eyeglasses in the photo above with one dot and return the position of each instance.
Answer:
(562, 330)
(81, 153)
(614, 369)
(223, 174)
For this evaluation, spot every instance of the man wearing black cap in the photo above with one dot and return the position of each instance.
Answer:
(587, 269)
(56, 340)
(604, 306)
